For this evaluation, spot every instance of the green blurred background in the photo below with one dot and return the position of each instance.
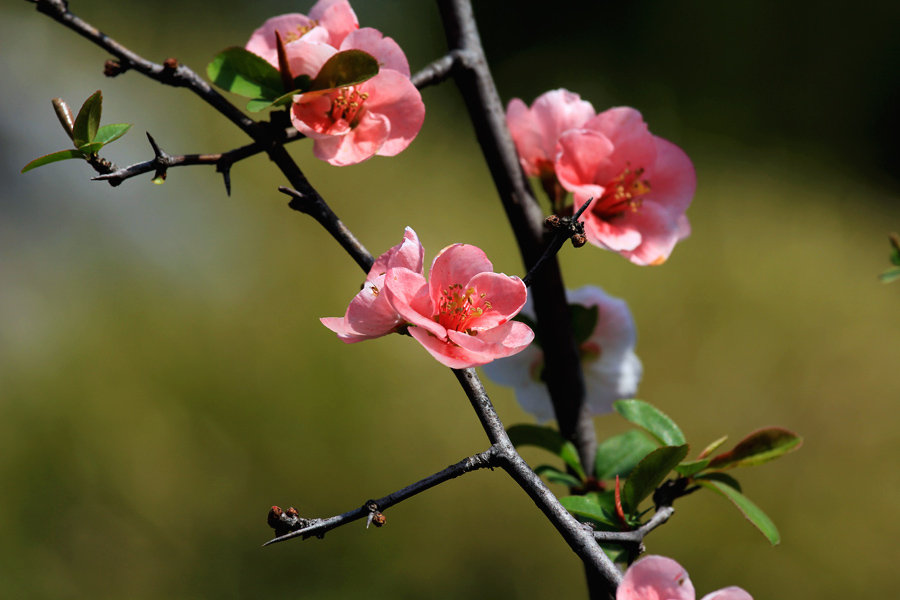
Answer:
(164, 378)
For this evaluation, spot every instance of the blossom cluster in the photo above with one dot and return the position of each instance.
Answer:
(461, 314)
(349, 124)
(640, 185)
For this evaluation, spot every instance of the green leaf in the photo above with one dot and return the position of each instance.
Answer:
(349, 67)
(688, 469)
(890, 275)
(246, 74)
(713, 447)
(110, 133)
(51, 158)
(649, 473)
(548, 439)
(301, 85)
(724, 478)
(90, 148)
(758, 447)
(88, 120)
(750, 511)
(554, 475)
(619, 454)
(584, 321)
(652, 419)
(587, 507)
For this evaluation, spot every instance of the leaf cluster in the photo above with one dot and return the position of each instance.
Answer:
(84, 130)
(652, 462)
(893, 273)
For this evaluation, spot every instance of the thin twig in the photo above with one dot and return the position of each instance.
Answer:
(319, 527)
(565, 228)
(636, 536)
(437, 71)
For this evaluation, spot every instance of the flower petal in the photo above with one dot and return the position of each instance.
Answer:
(456, 265)
(503, 340)
(407, 291)
(336, 17)
(582, 155)
(306, 57)
(655, 578)
(290, 26)
(673, 179)
(729, 593)
(393, 96)
(506, 296)
(618, 235)
(359, 144)
(445, 352)
(385, 50)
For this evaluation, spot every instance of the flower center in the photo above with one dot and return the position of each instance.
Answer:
(348, 106)
(458, 307)
(621, 194)
(298, 32)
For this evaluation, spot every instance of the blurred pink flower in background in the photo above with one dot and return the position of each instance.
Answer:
(612, 370)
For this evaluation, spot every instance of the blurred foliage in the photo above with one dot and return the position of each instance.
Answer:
(164, 379)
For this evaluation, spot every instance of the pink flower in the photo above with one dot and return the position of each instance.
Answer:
(351, 124)
(536, 130)
(611, 368)
(661, 578)
(641, 184)
(329, 21)
(370, 315)
(462, 314)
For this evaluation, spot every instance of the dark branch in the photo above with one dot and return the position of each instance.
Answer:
(319, 527)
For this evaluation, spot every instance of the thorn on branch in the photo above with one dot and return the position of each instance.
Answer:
(161, 161)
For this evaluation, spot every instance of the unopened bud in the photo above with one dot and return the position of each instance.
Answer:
(111, 68)
(378, 519)
(64, 114)
(579, 240)
(170, 64)
(274, 518)
(552, 221)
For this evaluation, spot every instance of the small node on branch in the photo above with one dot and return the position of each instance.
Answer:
(375, 516)
(112, 67)
(170, 64)
(285, 521)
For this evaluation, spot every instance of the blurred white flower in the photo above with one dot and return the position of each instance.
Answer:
(612, 370)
